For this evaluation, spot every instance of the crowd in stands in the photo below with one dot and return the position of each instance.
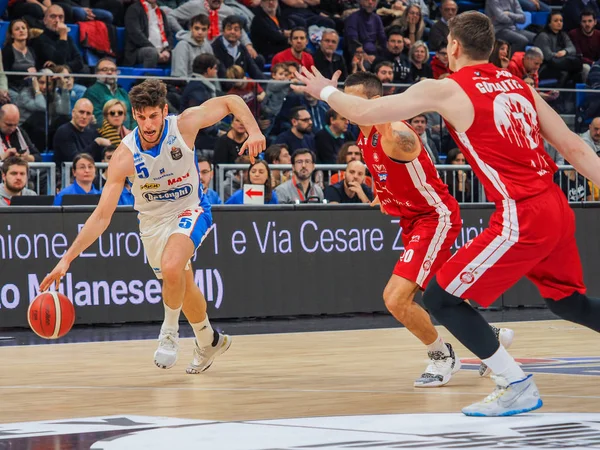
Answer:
(252, 48)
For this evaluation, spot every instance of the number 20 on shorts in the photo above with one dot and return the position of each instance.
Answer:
(407, 256)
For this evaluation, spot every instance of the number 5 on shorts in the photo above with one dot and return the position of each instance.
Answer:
(185, 223)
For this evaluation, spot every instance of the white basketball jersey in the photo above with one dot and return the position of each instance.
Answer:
(167, 179)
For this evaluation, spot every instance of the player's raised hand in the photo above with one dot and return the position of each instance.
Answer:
(255, 144)
(314, 82)
(55, 276)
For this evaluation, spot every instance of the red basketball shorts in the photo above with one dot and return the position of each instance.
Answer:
(534, 238)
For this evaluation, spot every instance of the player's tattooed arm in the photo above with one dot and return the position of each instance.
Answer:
(405, 140)
(399, 141)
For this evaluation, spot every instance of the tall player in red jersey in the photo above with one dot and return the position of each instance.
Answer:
(408, 186)
(498, 121)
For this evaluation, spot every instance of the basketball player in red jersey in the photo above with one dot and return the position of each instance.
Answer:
(408, 186)
(497, 120)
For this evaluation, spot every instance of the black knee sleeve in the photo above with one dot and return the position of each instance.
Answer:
(436, 298)
(577, 308)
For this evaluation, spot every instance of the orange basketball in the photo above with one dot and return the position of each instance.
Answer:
(51, 315)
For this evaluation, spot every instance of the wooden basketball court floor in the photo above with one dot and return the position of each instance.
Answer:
(278, 376)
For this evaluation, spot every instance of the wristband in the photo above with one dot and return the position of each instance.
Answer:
(326, 92)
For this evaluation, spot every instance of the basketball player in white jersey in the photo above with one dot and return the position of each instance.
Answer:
(158, 159)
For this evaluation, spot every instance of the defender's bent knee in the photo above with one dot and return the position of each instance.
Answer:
(569, 308)
(436, 298)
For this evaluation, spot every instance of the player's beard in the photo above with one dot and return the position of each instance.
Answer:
(158, 135)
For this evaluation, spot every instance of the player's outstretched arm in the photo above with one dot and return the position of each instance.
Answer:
(425, 96)
(120, 166)
(214, 110)
(570, 145)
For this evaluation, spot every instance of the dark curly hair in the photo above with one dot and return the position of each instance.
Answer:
(149, 94)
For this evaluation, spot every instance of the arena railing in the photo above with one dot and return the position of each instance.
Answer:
(43, 177)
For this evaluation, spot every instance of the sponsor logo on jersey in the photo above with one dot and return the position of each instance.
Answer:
(467, 277)
(376, 157)
(380, 168)
(374, 140)
(161, 171)
(178, 180)
(186, 213)
(176, 153)
(169, 196)
(163, 175)
(382, 177)
(415, 238)
(171, 139)
(137, 157)
(145, 187)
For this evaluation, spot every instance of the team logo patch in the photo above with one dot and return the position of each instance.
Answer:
(145, 187)
(467, 277)
(427, 265)
(170, 195)
(161, 171)
(176, 153)
(170, 140)
(374, 140)
(375, 157)
(382, 177)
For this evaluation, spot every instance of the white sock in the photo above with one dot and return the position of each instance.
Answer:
(504, 365)
(204, 332)
(438, 346)
(171, 318)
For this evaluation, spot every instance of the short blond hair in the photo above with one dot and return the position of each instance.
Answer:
(112, 102)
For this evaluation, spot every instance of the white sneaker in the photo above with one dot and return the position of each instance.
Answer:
(505, 336)
(440, 369)
(507, 399)
(204, 356)
(165, 356)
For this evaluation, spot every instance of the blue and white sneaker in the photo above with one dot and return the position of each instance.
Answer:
(507, 399)
(505, 336)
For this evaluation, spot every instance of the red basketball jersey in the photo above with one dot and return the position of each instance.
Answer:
(503, 145)
(410, 190)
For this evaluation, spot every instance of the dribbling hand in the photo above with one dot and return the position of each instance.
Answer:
(314, 82)
(255, 144)
(55, 276)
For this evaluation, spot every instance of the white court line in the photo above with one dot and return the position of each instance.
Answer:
(527, 323)
(320, 391)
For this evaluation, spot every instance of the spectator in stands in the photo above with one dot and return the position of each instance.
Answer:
(216, 12)
(305, 13)
(352, 189)
(316, 108)
(327, 61)
(364, 28)
(148, 35)
(258, 173)
(276, 92)
(573, 185)
(394, 52)
(586, 39)
(329, 140)
(191, 44)
(54, 45)
(270, 30)
(206, 176)
(300, 188)
(4, 94)
(300, 135)
(278, 154)
(15, 141)
(106, 88)
(79, 135)
(358, 62)
(526, 64)
(229, 51)
(439, 63)
(66, 82)
(412, 25)
(234, 178)
(439, 31)
(418, 56)
(228, 146)
(461, 185)
(126, 198)
(385, 72)
(572, 12)
(560, 56)
(501, 56)
(114, 115)
(505, 15)
(84, 172)
(17, 55)
(534, 6)
(296, 53)
(348, 152)
(14, 179)
(251, 92)
(592, 135)
(419, 123)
